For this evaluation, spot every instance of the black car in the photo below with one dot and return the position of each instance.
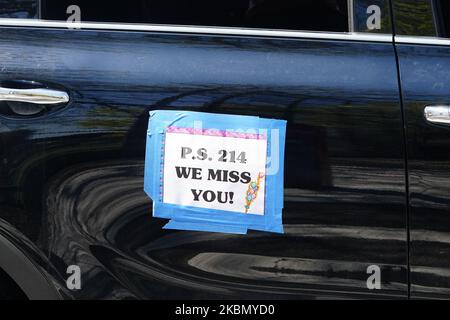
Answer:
(364, 86)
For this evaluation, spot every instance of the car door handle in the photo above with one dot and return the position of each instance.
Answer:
(34, 96)
(437, 114)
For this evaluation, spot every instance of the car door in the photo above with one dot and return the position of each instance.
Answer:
(72, 172)
(424, 62)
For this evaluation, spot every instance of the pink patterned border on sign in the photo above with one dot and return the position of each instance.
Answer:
(214, 132)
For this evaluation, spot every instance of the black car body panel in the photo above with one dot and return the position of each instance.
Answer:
(425, 82)
(72, 178)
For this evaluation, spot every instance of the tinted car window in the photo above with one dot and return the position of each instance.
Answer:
(324, 15)
(23, 9)
(414, 17)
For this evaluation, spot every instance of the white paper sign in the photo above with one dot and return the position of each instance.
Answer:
(215, 170)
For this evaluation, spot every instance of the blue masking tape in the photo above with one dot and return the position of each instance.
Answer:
(223, 228)
(209, 219)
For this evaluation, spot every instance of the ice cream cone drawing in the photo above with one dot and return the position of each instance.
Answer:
(252, 192)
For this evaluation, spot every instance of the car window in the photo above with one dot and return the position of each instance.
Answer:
(323, 15)
(326, 15)
(20, 9)
(414, 17)
(368, 16)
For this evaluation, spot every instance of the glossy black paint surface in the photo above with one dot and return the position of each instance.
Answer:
(425, 81)
(72, 179)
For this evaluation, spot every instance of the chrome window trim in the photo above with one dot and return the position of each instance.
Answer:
(422, 40)
(347, 36)
(351, 17)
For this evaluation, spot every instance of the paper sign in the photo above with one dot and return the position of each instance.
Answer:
(215, 172)
(215, 169)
